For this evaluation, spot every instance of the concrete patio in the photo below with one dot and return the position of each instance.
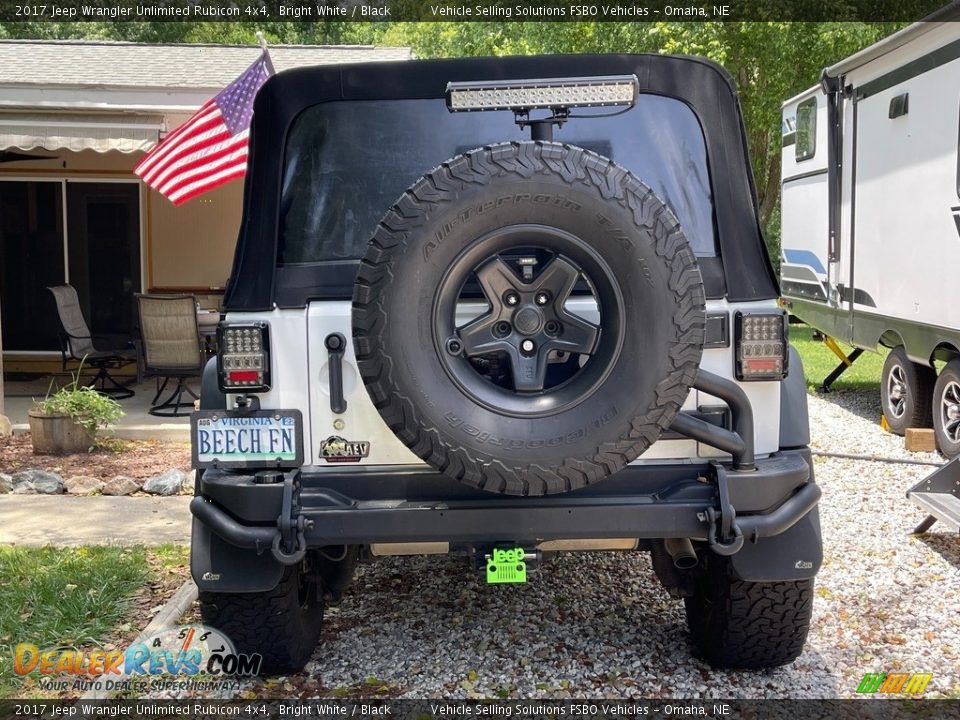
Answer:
(136, 424)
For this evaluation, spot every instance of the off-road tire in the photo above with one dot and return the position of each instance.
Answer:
(747, 625)
(282, 624)
(920, 380)
(950, 374)
(439, 219)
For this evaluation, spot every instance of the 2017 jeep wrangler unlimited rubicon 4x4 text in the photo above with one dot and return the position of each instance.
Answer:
(502, 308)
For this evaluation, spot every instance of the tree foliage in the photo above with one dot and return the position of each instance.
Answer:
(770, 61)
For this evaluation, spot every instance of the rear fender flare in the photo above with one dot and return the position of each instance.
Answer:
(211, 396)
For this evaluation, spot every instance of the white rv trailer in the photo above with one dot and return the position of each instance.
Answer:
(871, 216)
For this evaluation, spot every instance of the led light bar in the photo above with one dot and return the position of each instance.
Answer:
(244, 357)
(523, 95)
(761, 341)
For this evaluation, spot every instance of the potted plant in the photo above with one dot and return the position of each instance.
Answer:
(67, 421)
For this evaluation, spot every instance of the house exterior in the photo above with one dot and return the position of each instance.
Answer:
(75, 118)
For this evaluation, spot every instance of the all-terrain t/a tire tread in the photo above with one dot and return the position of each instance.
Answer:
(271, 623)
(748, 625)
(397, 231)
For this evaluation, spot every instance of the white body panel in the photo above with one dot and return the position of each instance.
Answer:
(898, 241)
(907, 250)
(301, 382)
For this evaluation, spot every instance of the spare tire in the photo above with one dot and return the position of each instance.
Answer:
(590, 339)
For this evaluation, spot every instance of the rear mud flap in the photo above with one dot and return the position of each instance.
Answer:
(218, 566)
(795, 554)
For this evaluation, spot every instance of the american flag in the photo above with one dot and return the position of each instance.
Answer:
(210, 148)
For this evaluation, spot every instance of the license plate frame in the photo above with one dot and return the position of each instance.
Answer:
(281, 461)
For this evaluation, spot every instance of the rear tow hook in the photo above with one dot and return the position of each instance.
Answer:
(290, 544)
(724, 535)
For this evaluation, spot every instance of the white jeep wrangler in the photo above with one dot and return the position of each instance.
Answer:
(502, 308)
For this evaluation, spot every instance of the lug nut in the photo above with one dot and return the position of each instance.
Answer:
(454, 346)
(542, 298)
(527, 346)
(512, 299)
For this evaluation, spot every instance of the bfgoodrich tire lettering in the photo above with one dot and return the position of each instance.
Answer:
(461, 205)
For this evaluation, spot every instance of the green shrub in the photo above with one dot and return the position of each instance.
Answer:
(84, 405)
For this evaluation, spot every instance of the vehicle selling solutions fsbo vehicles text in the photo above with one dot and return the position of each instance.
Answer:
(584, 11)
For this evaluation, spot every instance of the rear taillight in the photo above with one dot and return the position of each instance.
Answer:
(761, 344)
(243, 360)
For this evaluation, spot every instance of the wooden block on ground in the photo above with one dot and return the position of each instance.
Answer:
(920, 440)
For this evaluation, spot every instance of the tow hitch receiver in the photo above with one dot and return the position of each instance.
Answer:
(508, 565)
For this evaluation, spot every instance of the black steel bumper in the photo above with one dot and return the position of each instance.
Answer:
(360, 506)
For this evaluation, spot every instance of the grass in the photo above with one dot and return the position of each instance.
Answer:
(819, 361)
(71, 597)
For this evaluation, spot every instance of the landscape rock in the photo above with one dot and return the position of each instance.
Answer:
(6, 483)
(83, 485)
(168, 483)
(41, 481)
(120, 485)
(24, 488)
(6, 429)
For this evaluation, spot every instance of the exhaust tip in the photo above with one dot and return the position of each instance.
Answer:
(681, 552)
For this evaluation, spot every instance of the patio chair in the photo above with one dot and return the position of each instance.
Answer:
(171, 349)
(76, 343)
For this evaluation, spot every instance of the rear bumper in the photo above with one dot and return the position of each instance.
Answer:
(359, 506)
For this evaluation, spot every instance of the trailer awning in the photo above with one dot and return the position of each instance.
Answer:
(69, 131)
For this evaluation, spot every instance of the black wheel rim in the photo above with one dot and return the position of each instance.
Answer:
(527, 274)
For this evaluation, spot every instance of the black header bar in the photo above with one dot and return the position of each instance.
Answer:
(268, 11)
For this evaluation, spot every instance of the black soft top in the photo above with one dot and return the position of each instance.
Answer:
(742, 272)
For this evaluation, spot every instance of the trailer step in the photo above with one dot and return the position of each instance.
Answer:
(943, 507)
(939, 495)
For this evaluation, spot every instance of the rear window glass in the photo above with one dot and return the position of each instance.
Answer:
(347, 162)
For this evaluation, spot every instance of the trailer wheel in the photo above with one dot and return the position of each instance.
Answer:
(946, 409)
(906, 390)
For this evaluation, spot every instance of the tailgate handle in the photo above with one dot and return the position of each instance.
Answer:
(335, 344)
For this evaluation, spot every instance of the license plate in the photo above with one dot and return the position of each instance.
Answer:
(262, 438)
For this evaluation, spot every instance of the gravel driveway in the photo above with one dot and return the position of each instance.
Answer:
(599, 625)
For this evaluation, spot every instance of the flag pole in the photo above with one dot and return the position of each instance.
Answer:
(262, 41)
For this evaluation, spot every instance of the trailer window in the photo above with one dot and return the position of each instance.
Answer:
(806, 143)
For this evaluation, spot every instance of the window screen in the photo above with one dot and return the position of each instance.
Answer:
(347, 162)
